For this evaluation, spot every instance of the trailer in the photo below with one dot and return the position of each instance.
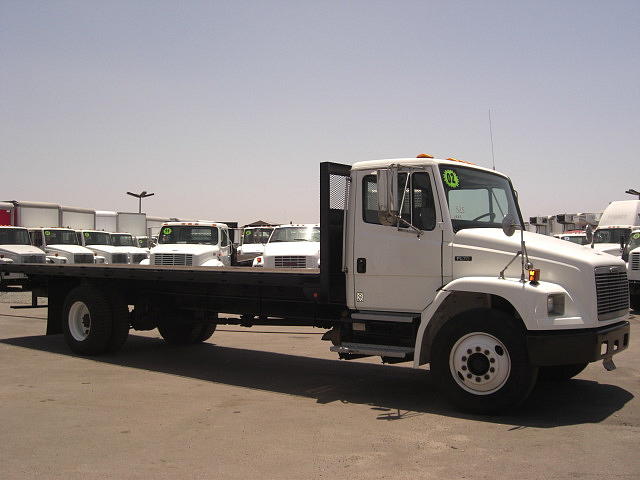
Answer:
(418, 265)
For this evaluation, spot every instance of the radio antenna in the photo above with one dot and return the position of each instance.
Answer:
(493, 158)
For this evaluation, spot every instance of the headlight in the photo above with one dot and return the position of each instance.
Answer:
(555, 304)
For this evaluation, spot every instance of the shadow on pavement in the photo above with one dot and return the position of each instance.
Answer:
(393, 392)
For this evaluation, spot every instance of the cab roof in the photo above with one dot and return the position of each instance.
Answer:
(201, 224)
(418, 162)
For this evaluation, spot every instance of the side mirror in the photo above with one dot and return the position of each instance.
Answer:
(387, 187)
(509, 225)
(589, 234)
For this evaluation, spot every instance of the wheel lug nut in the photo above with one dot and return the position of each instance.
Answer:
(478, 349)
(492, 369)
(469, 351)
(464, 367)
(492, 360)
(477, 379)
(486, 377)
(486, 352)
(464, 359)
(469, 375)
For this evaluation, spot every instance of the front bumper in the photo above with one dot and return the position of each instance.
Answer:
(577, 346)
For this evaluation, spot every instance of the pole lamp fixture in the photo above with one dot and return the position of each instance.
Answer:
(631, 191)
(140, 196)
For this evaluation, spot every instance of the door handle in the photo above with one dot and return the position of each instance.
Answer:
(361, 265)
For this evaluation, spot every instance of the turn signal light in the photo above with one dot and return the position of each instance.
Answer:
(534, 275)
(424, 155)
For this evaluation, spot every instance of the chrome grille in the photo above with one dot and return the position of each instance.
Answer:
(32, 259)
(290, 262)
(612, 289)
(173, 259)
(83, 258)
(118, 258)
(635, 261)
(138, 257)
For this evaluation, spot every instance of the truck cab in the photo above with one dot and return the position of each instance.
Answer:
(61, 246)
(126, 244)
(292, 246)
(205, 244)
(252, 242)
(101, 243)
(615, 226)
(631, 255)
(16, 248)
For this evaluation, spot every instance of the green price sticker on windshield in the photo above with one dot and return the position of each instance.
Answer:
(167, 231)
(451, 178)
(635, 236)
(47, 233)
(86, 235)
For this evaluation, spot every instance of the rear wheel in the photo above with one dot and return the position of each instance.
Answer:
(557, 373)
(480, 362)
(181, 332)
(87, 321)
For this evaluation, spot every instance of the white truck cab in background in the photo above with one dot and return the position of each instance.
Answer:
(16, 248)
(61, 246)
(115, 248)
(252, 242)
(204, 244)
(292, 246)
(632, 256)
(616, 223)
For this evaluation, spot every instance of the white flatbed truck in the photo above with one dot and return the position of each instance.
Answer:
(419, 264)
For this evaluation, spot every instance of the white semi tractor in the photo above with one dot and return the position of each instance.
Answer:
(420, 264)
(116, 248)
(291, 246)
(16, 248)
(205, 244)
(615, 226)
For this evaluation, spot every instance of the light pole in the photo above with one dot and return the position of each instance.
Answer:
(631, 191)
(140, 196)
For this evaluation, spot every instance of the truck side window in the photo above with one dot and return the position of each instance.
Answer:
(36, 238)
(224, 241)
(418, 207)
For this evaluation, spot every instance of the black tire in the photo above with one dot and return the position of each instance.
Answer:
(558, 373)
(635, 302)
(120, 321)
(88, 333)
(497, 343)
(180, 332)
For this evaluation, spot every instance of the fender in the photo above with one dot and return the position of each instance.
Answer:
(146, 261)
(529, 302)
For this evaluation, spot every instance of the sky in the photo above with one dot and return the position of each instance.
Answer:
(226, 109)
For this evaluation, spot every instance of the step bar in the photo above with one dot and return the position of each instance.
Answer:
(372, 350)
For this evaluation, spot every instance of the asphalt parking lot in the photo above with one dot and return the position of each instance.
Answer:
(275, 403)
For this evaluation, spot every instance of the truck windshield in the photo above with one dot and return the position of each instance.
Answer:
(295, 234)
(96, 238)
(60, 237)
(477, 199)
(143, 242)
(14, 236)
(634, 242)
(122, 240)
(611, 235)
(579, 239)
(188, 234)
(256, 235)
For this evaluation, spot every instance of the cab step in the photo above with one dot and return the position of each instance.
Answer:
(369, 350)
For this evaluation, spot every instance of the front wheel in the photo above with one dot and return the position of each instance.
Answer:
(635, 302)
(480, 362)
